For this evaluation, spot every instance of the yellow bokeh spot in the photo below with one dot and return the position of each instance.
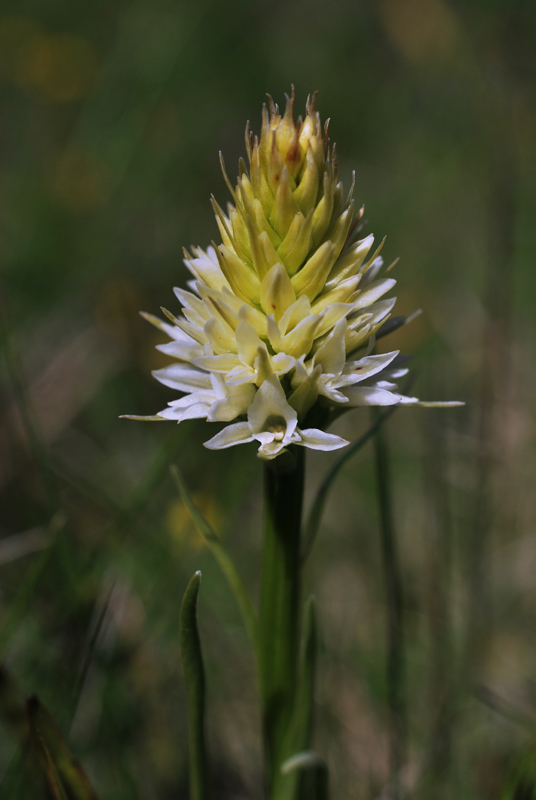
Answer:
(422, 30)
(116, 311)
(62, 68)
(182, 530)
(80, 181)
(15, 32)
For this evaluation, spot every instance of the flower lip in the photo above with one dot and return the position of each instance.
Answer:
(276, 425)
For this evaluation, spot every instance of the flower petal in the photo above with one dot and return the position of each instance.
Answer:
(295, 313)
(370, 396)
(192, 406)
(277, 293)
(348, 264)
(222, 363)
(414, 401)
(236, 402)
(221, 336)
(298, 342)
(373, 292)
(320, 440)
(239, 433)
(332, 352)
(356, 371)
(206, 268)
(183, 378)
(270, 404)
(247, 343)
(185, 349)
(270, 450)
(138, 418)
(172, 330)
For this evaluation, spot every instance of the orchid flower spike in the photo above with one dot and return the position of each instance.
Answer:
(282, 316)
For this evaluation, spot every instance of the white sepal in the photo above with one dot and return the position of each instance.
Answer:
(239, 433)
(320, 440)
(373, 292)
(183, 378)
(370, 396)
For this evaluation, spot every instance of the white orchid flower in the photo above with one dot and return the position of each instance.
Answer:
(274, 423)
(283, 314)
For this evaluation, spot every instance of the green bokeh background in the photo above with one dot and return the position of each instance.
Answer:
(112, 118)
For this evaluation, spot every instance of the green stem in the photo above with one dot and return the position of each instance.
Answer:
(280, 602)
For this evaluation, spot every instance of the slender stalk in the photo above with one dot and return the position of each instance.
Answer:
(194, 676)
(395, 634)
(224, 560)
(317, 509)
(280, 602)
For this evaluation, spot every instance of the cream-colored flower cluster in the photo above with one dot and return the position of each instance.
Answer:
(282, 316)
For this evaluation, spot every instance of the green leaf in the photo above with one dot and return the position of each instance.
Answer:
(91, 648)
(312, 773)
(394, 323)
(521, 784)
(44, 750)
(65, 776)
(226, 565)
(194, 676)
(53, 779)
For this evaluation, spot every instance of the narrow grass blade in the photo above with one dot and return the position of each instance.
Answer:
(312, 774)
(194, 675)
(53, 780)
(317, 509)
(394, 323)
(521, 783)
(64, 774)
(44, 752)
(24, 776)
(222, 557)
(91, 649)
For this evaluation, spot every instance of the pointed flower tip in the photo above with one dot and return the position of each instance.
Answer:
(154, 418)
(444, 404)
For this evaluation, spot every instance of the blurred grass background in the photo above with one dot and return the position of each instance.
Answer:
(113, 116)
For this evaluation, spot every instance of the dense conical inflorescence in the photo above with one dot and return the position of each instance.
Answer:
(282, 316)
